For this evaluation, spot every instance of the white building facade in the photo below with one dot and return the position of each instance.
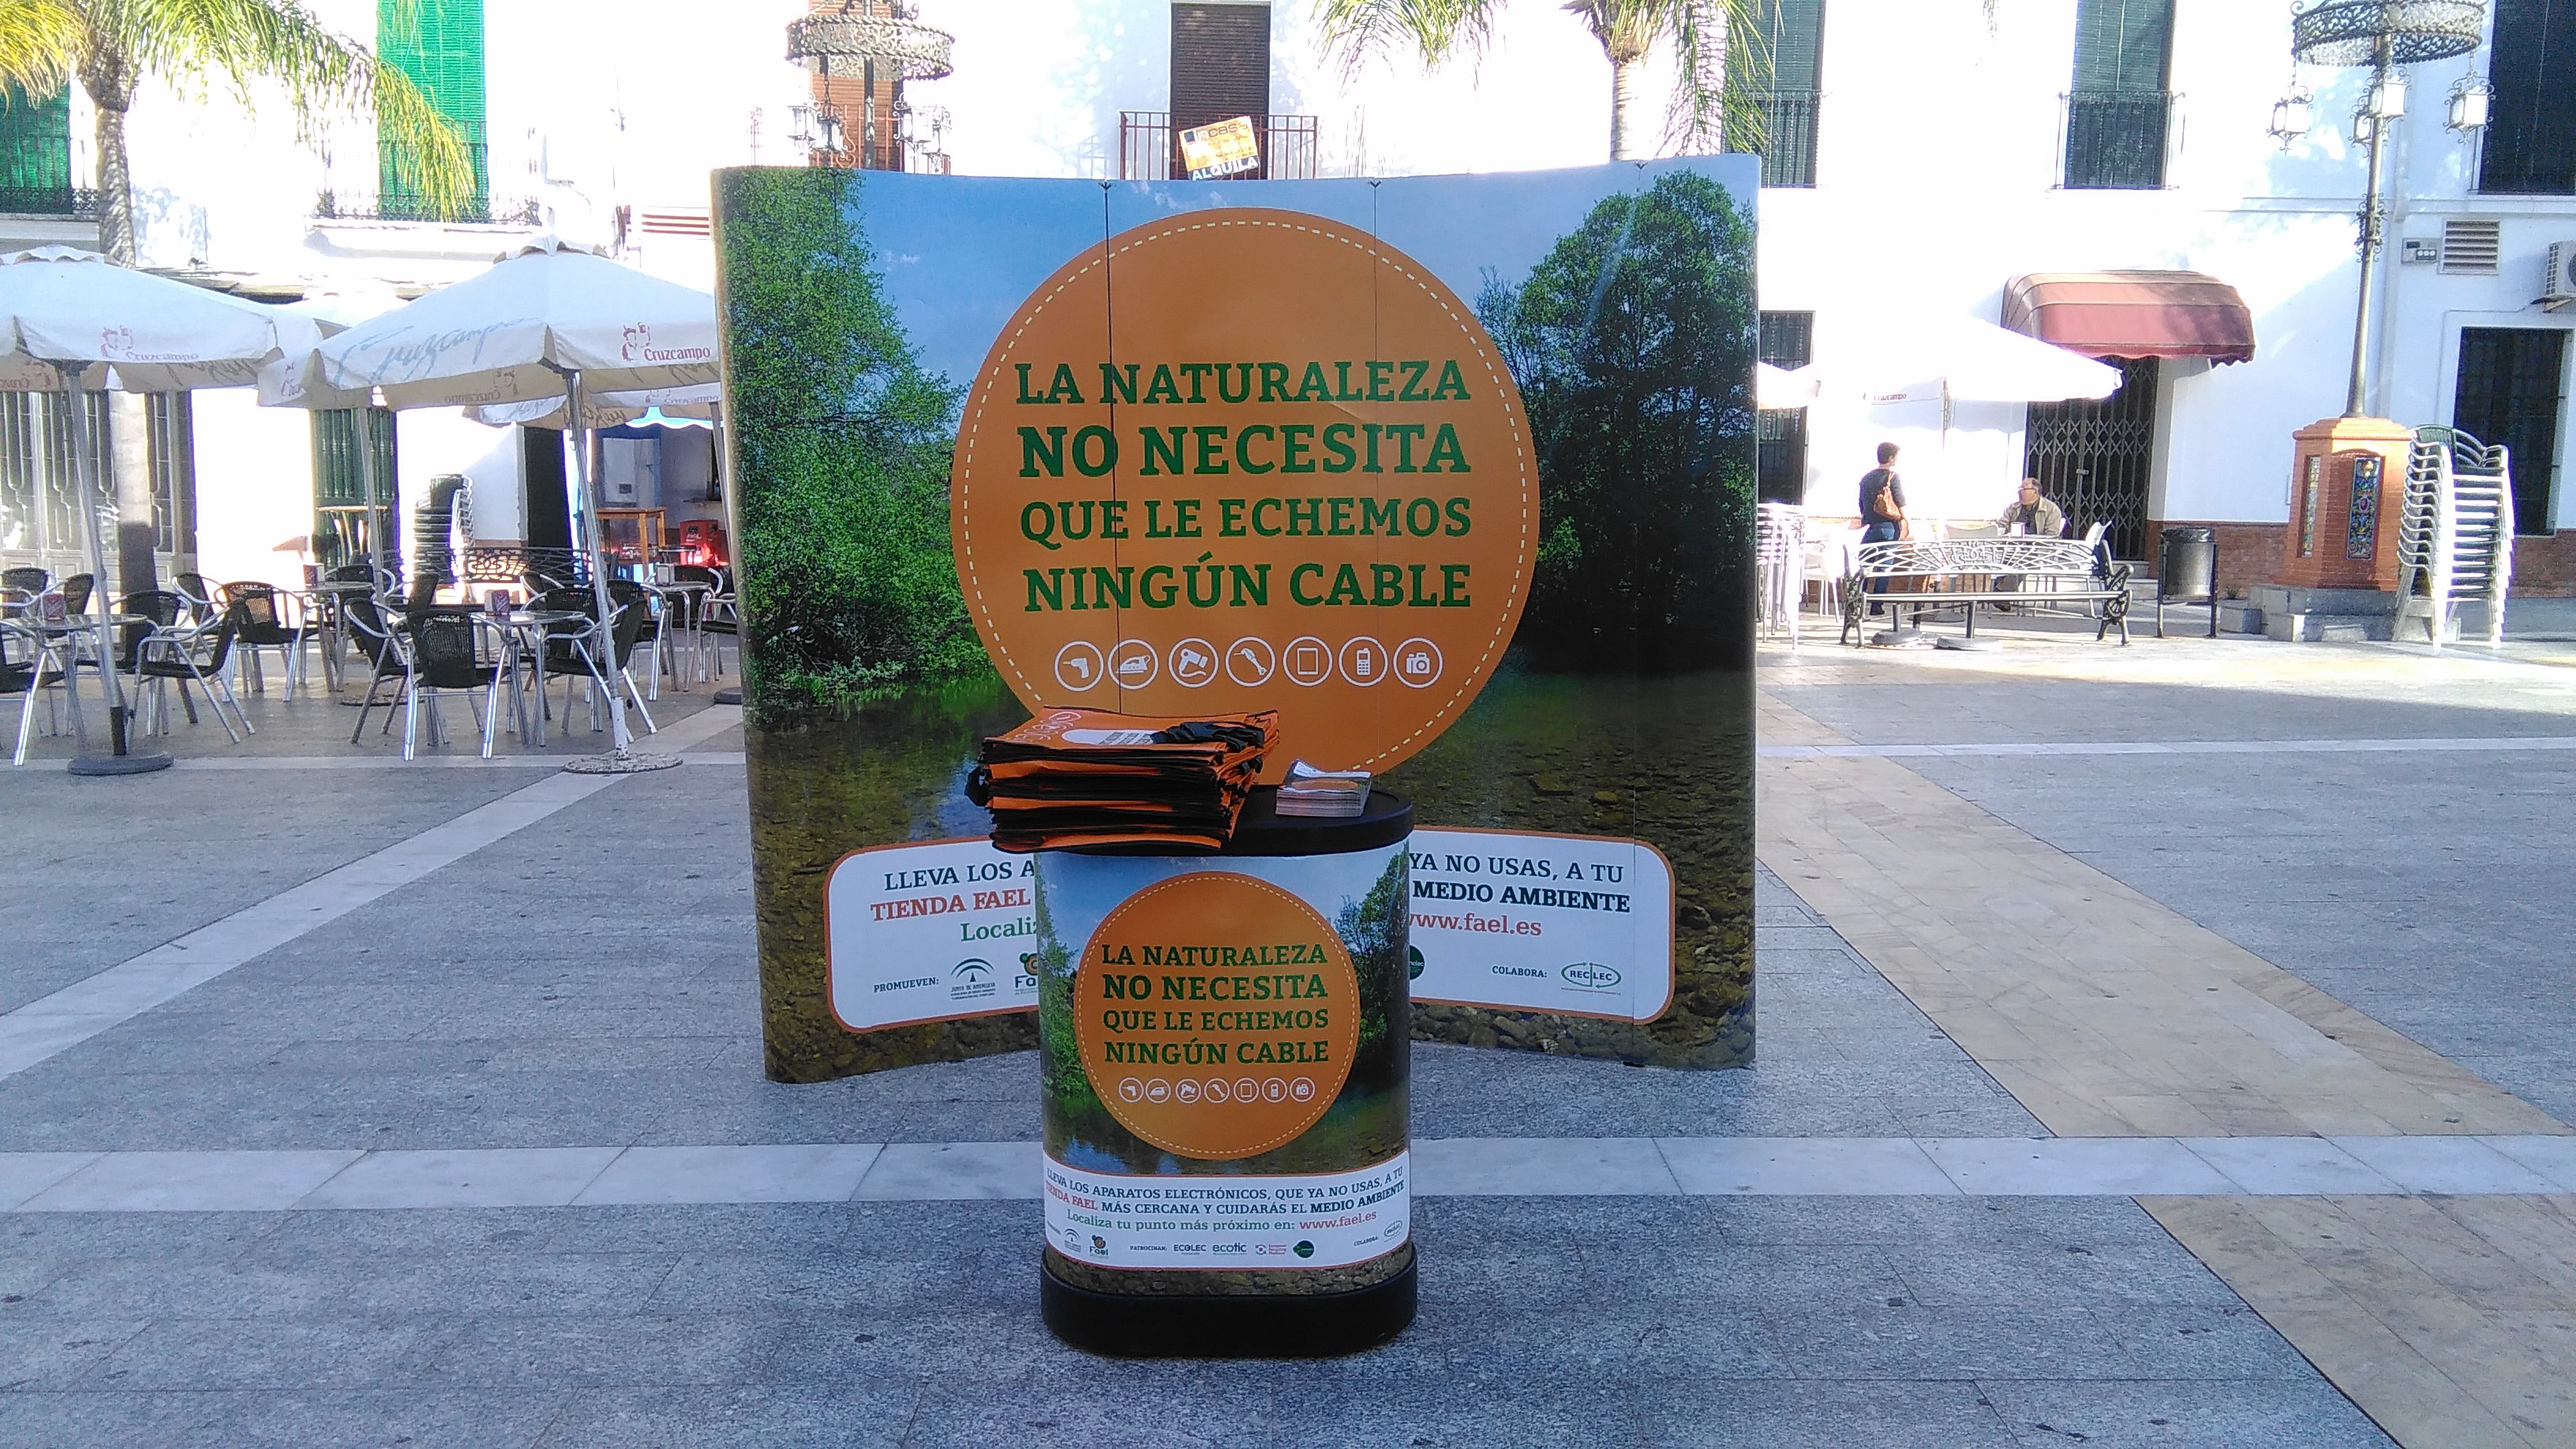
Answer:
(1923, 155)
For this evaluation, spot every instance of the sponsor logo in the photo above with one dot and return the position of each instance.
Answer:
(971, 980)
(639, 348)
(1303, 1249)
(1413, 962)
(1589, 976)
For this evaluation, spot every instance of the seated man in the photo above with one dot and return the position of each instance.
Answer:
(2035, 515)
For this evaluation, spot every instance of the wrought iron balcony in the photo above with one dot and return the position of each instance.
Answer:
(2117, 140)
(36, 179)
(1789, 138)
(412, 206)
(1148, 151)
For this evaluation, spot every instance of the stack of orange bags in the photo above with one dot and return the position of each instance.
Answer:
(1085, 777)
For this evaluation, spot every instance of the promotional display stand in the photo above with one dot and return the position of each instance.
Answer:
(1224, 1040)
(1448, 478)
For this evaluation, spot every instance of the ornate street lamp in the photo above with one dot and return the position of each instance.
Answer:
(2383, 35)
(871, 40)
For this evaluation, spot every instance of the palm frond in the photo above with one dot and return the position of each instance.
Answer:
(322, 71)
(40, 42)
(1724, 59)
(1357, 30)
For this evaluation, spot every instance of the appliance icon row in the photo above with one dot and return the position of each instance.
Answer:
(1250, 661)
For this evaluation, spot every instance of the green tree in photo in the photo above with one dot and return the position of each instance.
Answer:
(1373, 930)
(843, 441)
(1633, 345)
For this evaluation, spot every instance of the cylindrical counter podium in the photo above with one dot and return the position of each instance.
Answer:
(1225, 1042)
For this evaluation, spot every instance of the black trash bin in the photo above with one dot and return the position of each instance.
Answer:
(2187, 573)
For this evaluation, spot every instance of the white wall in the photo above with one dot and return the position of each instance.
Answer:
(254, 488)
(1938, 155)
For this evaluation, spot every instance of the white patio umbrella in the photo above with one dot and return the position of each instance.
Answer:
(1957, 359)
(73, 322)
(548, 320)
(607, 409)
(1775, 387)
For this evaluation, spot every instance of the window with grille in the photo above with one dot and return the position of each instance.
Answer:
(439, 46)
(36, 153)
(171, 428)
(2119, 113)
(341, 526)
(1786, 341)
(1780, 57)
(2530, 142)
(40, 486)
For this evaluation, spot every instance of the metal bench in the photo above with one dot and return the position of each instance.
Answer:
(2060, 576)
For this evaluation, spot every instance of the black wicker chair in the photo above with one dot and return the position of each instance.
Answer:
(450, 650)
(169, 654)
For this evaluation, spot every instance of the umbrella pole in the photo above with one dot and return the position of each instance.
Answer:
(367, 477)
(118, 760)
(620, 759)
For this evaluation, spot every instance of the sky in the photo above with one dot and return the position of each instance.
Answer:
(959, 254)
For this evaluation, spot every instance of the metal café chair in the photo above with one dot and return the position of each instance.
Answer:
(161, 609)
(387, 654)
(454, 650)
(571, 649)
(264, 626)
(44, 667)
(197, 652)
(204, 600)
(24, 583)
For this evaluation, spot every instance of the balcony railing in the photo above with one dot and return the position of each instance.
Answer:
(1789, 138)
(2118, 140)
(36, 179)
(1148, 151)
(412, 206)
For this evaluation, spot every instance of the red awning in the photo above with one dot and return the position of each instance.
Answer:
(2132, 314)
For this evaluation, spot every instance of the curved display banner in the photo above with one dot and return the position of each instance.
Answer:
(1455, 473)
(1294, 475)
(1573, 925)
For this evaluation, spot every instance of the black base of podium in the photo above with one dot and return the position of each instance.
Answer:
(1322, 1325)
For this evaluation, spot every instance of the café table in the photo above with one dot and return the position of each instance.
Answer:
(690, 595)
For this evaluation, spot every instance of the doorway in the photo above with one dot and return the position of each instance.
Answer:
(2512, 384)
(2095, 456)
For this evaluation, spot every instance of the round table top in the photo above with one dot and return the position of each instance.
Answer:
(74, 623)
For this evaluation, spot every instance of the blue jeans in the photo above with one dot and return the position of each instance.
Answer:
(1880, 532)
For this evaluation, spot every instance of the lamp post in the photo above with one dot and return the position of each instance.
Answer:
(2383, 35)
(2338, 552)
(872, 40)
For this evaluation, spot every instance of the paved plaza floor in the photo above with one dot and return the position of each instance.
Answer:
(2161, 1046)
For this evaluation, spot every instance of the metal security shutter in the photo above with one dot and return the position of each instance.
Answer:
(1220, 63)
(442, 53)
(36, 153)
(2531, 141)
(2122, 45)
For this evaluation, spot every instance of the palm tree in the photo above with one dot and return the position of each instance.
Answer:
(110, 46)
(1718, 44)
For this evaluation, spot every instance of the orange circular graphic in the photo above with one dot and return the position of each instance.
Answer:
(1216, 1014)
(1294, 438)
